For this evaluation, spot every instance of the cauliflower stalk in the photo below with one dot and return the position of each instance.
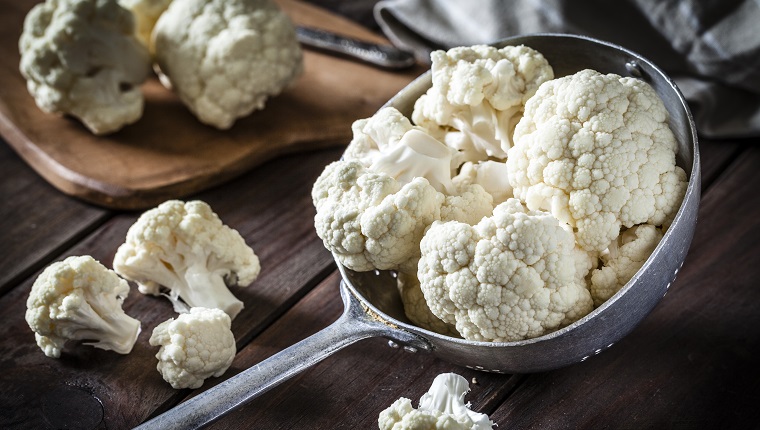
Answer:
(225, 58)
(195, 346)
(442, 407)
(80, 299)
(596, 151)
(81, 58)
(185, 248)
(510, 277)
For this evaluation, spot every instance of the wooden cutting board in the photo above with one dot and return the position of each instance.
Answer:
(168, 153)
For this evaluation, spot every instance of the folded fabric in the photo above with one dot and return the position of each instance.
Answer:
(711, 48)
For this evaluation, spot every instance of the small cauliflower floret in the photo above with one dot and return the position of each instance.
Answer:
(477, 97)
(622, 260)
(442, 407)
(369, 220)
(416, 308)
(80, 299)
(185, 248)
(81, 58)
(196, 346)
(596, 151)
(512, 276)
(146, 14)
(225, 58)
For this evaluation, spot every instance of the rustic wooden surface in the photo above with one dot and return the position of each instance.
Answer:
(168, 152)
(692, 364)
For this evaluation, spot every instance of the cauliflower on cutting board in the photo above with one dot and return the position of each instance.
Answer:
(510, 277)
(477, 97)
(81, 58)
(195, 346)
(597, 152)
(80, 299)
(442, 407)
(185, 248)
(225, 58)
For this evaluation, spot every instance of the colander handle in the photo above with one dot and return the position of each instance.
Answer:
(353, 325)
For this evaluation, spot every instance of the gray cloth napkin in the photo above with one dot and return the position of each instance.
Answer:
(711, 48)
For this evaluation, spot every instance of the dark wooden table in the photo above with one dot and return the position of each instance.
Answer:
(694, 362)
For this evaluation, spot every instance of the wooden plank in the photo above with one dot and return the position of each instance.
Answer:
(693, 362)
(716, 157)
(168, 152)
(350, 388)
(36, 221)
(271, 207)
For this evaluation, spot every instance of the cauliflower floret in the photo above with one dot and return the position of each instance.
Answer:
(510, 277)
(81, 57)
(80, 299)
(146, 14)
(622, 260)
(196, 346)
(225, 58)
(185, 248)
(597, 152)
(442, 407)
(369, 220)
(416, 308)
(478, 95)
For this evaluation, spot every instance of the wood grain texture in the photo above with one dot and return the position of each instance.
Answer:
(273, 213)
(693, 362)
(36, 221)
(168, 153)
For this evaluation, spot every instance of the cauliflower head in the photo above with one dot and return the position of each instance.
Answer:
(81, 58)
(225, 58)
(184, 247)
(195, 346)
(622, 260)
(477, 97)
(596, 151)
(512, 276)
(442, 407)
(80, 299)
(146, 13)
(368, 220)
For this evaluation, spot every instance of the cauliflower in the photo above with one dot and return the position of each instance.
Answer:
(185, 248)
(369, 220)
(596, 151)
(490, 174)
(81, 57)
(146, 14)
(510, 277)
(442, 407)
(394, 181)
(197, 345)
(417, 309)
(478, 95)
(622, 260)
(224, 58)
(80, 299)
